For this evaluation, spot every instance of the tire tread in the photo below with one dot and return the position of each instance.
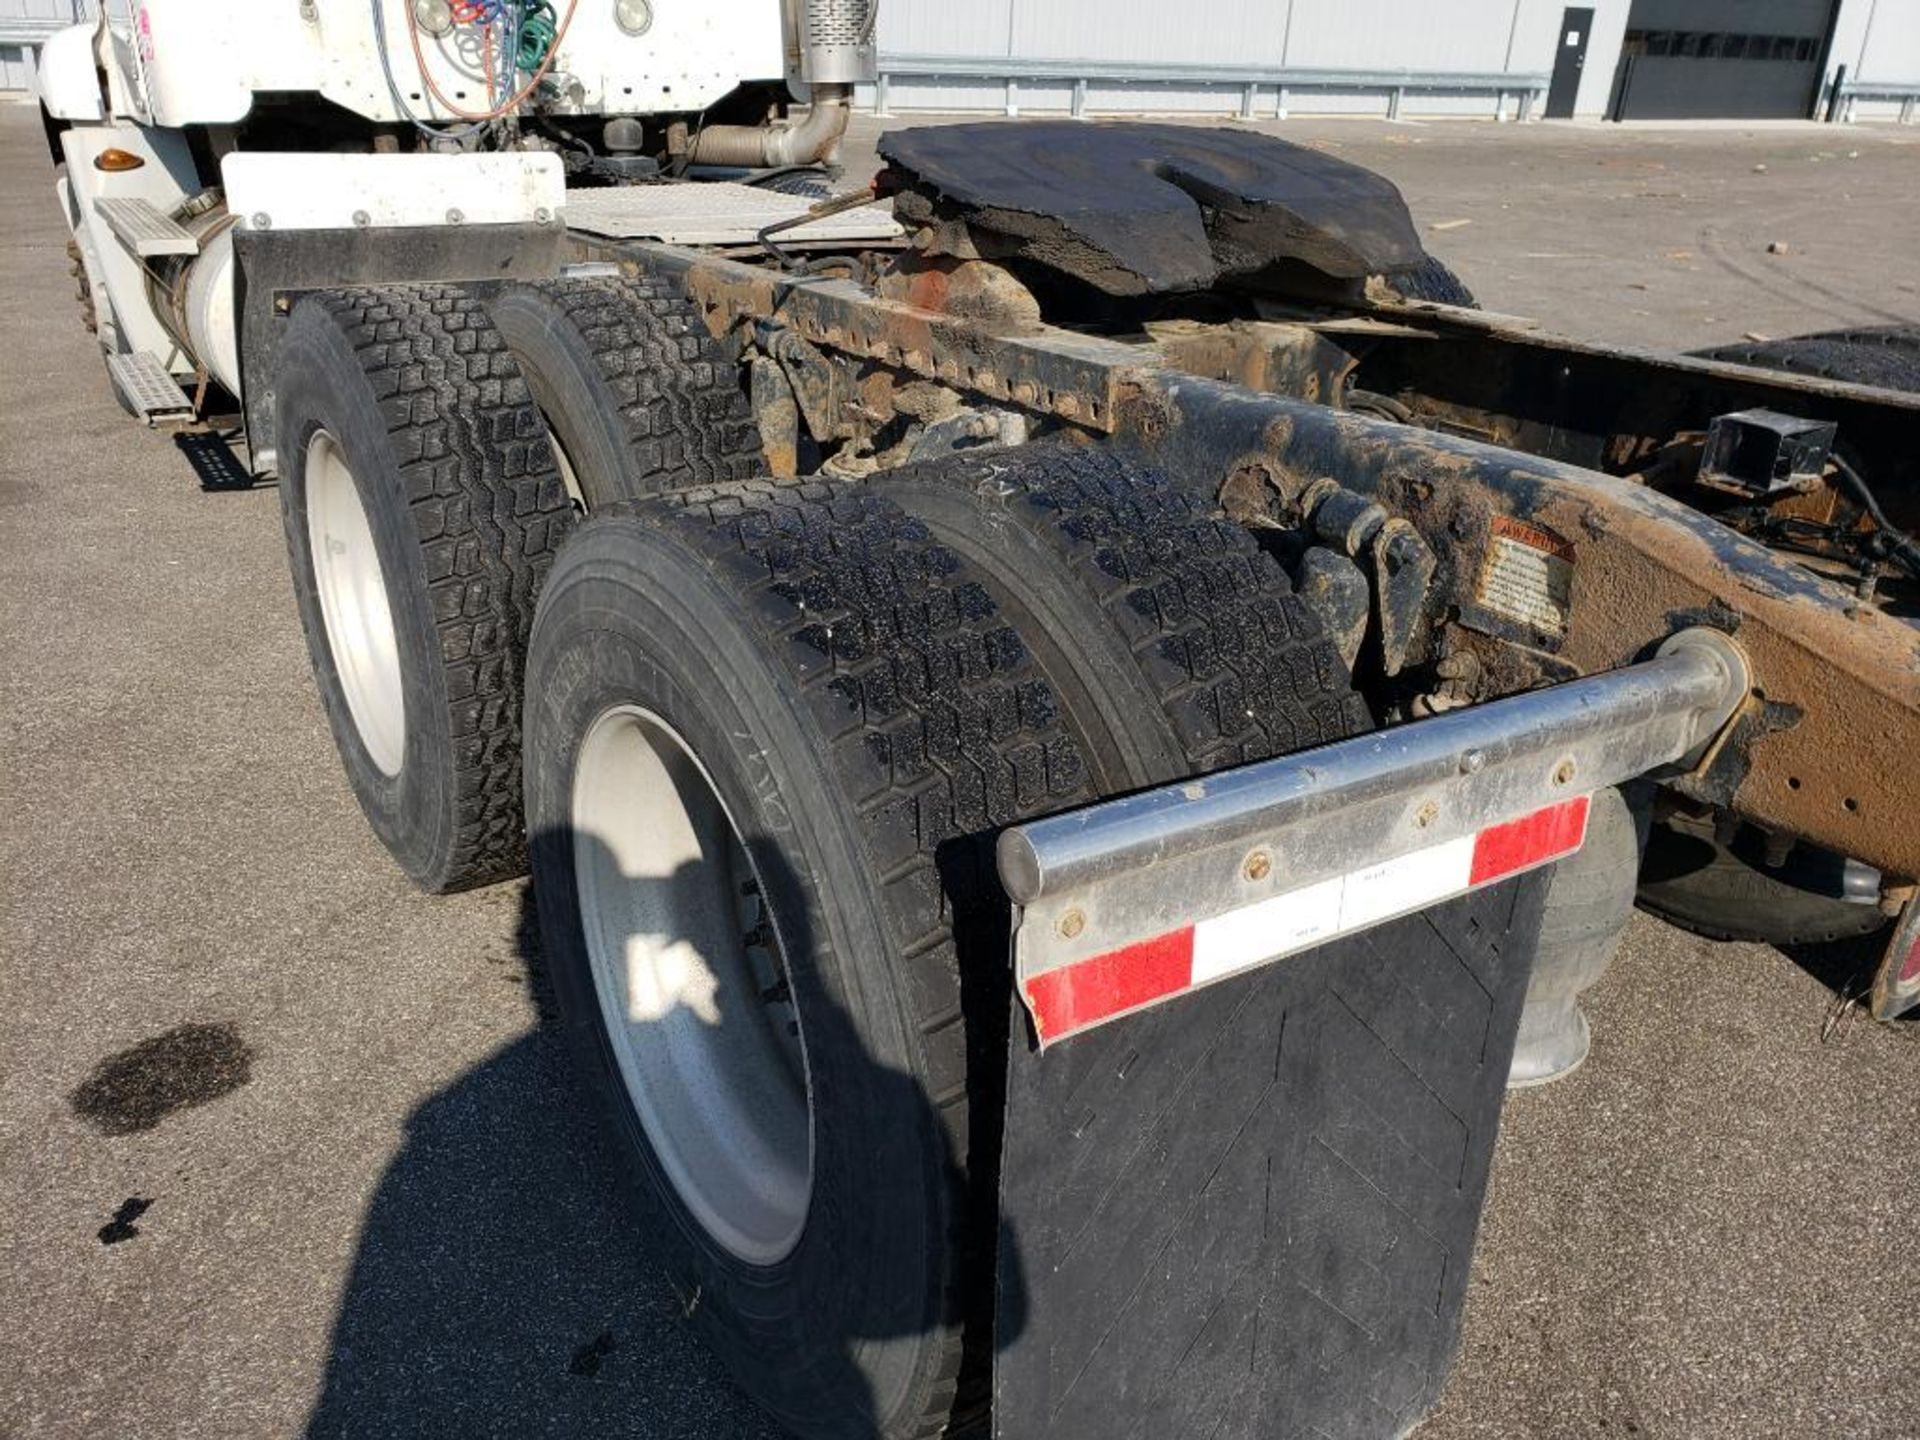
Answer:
(490, 511)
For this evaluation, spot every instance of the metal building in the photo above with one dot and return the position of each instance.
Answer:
(1609, 58)
(1623, 59)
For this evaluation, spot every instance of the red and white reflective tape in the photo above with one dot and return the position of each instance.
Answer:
(1103, 987)
(1908, 974)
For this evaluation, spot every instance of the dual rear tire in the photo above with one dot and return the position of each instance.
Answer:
(437, 444)
(840, 687)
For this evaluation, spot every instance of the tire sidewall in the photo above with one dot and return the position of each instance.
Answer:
(321, 386)
(868, 1269)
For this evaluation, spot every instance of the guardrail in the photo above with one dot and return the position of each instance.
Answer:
(1252, 81)
(1907, 92)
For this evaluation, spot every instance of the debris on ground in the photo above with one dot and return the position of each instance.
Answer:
(1448, 224)
(1777, 247)
(121, 1227)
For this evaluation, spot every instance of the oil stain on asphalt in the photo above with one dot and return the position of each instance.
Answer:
(587, 1359)
(121, 1227)
(186, 1066)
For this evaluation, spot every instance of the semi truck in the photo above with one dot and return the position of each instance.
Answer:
(1077, 710)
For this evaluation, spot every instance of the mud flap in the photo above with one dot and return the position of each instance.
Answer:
(1250, 1212)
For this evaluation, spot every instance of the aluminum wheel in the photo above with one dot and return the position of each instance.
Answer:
(692, 984)
(353, 601)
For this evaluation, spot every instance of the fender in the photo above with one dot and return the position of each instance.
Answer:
(69, 77)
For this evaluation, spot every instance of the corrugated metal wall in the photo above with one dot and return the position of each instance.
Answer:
(1876, 38)
(1489, 37)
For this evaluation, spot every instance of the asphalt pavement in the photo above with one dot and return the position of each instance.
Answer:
(284, 1145)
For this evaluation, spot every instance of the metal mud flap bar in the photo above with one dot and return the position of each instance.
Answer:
(1252, 1212)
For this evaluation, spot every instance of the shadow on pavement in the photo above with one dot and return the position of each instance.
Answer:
(214, 462)
(507, 1284)
(503, 1285)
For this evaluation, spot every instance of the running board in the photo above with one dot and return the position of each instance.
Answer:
(144, 382)
(143, 229)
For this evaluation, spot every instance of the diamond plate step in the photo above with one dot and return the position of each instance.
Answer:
(717, 212)
(139, 225)
(141, 376)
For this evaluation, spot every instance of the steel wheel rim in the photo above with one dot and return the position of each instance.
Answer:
(353, 604)
(689, 975)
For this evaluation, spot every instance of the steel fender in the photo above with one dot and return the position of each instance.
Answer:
(68, 79)
(166, 179)
(277, 190)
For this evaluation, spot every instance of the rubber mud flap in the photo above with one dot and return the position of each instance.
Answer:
(1251, 1211)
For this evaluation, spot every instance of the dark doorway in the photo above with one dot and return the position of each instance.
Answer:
(1569, 61)
(1722, 59)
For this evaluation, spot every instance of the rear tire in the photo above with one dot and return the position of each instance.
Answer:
(1432, 281)
(638, 397)
(1693, 881)
(1885, 356)
(865, 720)
(422, 509)
(1176, 645)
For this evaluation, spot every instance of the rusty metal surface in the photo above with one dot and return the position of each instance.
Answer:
(1511, 382)
(1834, 762)
(1826, 753)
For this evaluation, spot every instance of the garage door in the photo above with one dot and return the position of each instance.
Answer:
(1728, 59)
(16, 72)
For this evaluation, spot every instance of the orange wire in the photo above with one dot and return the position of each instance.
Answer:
(420, 59)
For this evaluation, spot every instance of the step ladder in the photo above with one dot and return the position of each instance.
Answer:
(143, 228)
(144, 380)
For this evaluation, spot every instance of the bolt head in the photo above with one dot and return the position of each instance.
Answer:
(1565, 773)
(1259, 865)
(1071, 924)
(260, 220)
(1473, 762)
(362, 219)
(455, 217)
(1426, 814)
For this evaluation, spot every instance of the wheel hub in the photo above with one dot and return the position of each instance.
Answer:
(354, 605)
(692, 983)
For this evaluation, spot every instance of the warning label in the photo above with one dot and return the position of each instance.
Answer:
(1527, 575)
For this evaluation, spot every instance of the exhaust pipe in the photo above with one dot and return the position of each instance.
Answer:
(755, 147)
(830, 49)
